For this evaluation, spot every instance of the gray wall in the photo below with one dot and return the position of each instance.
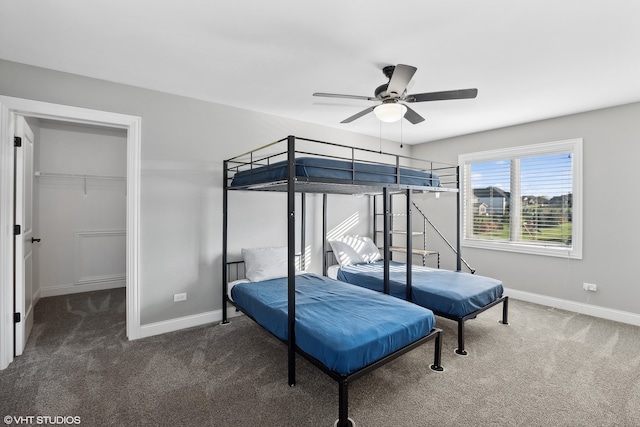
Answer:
(184, 142)
(611, 139)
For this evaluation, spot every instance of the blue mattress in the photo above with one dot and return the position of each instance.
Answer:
(343, 326)
(336, 170)
(450, 293)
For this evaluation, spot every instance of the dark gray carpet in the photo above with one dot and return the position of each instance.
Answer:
(547, 368)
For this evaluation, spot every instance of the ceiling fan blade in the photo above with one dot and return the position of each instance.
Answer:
(357, 116)
(412, 116)
(402, 74)
(337, 95)
(442, 96)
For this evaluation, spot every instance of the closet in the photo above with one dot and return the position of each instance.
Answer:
(80, 207)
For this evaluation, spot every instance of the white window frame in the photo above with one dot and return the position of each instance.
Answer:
(573, 146)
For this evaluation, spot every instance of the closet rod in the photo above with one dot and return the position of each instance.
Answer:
(71, 175)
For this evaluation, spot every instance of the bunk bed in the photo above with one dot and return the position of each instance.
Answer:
(387, 319)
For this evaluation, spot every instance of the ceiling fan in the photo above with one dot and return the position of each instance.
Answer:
(394, 97)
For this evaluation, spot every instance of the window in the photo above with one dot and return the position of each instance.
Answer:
(524, 199)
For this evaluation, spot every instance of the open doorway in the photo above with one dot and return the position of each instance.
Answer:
(79, 207)
(10, 110)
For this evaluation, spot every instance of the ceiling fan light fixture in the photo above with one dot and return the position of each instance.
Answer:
(390, 112)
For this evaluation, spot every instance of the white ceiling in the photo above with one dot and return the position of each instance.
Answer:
(529, 59)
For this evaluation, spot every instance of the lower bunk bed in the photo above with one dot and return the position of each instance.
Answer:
(453, 295)
(344, 330)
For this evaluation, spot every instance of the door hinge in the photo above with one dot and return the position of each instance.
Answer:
(16, 317)
(17, 141)
(17, 230)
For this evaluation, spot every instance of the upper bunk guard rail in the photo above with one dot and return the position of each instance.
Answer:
(257, 149)
(251, 163)
(397, 171)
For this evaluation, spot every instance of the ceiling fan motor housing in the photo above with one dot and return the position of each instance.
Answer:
(381, 91)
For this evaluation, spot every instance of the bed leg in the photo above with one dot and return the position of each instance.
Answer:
(437, 356)
(292, 370)
(225, 318)
(460, 350)
(343, 405)
(505, 311)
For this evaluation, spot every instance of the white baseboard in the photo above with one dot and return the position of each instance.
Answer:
(53, 291)
(577, 307)
(171, 325)
(36, 297)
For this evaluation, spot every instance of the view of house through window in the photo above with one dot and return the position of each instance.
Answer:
(521, 197)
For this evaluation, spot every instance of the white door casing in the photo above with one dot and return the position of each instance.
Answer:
(24, 245)
(10, 108)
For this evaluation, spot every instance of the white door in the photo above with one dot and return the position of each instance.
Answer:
(23, 293)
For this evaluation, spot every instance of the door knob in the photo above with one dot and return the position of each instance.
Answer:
(34, 240)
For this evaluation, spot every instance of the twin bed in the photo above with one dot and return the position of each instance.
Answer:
(343, 327)
(344, 330)
(454, 295)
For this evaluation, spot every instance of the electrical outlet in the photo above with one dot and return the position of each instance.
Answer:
(179, 297)
(589, 287)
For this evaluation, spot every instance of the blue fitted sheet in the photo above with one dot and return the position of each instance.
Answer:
(343, 326)
(450, 293)
(332, 169)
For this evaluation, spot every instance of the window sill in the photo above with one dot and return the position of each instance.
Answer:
(552, 251)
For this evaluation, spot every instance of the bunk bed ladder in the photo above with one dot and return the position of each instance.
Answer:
(423, 252)
(428, 221)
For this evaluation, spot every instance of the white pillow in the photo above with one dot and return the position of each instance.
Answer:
(355, 250)
(265, 263)
(369, 252)
(344, 253)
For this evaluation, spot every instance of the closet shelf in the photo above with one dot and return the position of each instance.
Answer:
(80, 176)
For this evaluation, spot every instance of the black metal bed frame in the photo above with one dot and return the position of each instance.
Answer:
(343, 379)
(295, 184)
(460, 320)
